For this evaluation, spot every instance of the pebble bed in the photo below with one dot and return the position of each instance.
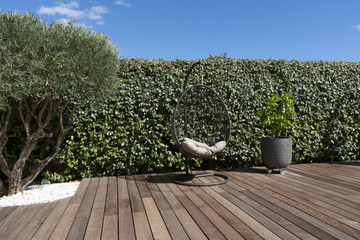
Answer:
(40, 194)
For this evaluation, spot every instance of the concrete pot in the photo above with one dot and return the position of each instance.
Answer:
(276, 153)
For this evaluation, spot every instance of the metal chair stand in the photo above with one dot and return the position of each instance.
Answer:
(186, 179)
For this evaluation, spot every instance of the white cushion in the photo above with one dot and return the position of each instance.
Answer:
(201, 150)
(218, 147)
(198, 144)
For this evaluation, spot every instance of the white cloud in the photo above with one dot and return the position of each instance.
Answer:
(63, 9)
(122, 3)
(70, 10)
(99, 9)
(101, 23)
(72, 4)
(358, 27)
(94, 16)
(64, 20)
(95, 12)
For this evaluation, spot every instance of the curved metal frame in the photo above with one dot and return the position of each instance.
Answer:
(176, 138)
(183, 178)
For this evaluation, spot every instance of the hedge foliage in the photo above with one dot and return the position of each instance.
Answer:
(132, 135)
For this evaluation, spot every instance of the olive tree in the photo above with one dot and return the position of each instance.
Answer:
(47, 71)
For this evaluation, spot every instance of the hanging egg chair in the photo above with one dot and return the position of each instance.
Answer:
(201, 128)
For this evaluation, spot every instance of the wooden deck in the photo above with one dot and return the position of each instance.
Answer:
(310, 201)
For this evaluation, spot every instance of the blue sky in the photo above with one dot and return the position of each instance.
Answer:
(306, 30)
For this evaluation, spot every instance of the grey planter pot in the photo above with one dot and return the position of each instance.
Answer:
(276, 153)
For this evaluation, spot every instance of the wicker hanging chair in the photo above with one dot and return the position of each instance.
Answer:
(201, 127)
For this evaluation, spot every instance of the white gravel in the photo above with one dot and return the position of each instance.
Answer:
(40, 194)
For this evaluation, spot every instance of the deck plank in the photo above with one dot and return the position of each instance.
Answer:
(310, 201)
(199, 216)
(79, 225)
(226, 229)
(317, 227)
(47, 227)
(64, 225)
(330, 208)
(32, 226)
(331, 218)
(96, 219)
(237, 224)
(141, 223)
(12, 218)
(260, 223)
(126, 222)
(110, 227)
(171, 221)
(320, 196)
(21, 223)
(324, 189)
(276, 213)
(157, 224)
(191, 227)
(5, 211)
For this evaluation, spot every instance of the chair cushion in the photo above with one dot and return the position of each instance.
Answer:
(201, 150)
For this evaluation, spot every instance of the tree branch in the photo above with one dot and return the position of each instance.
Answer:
(49, 135)
(60, 137)
(62, 113)
(32, 138)
(46, 161)
(2, 118)
(4, 166)
(51, 112)
(23, 120)
(33, 108)
(3, 141)
(5, 120)
(47, 101)
(3, 190)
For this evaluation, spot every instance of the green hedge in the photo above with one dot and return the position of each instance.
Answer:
(132, 135)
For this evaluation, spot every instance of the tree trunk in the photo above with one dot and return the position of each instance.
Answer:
(4, 167)
(15, 184)
(46, 161)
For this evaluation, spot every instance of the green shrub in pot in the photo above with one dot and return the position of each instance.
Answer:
(277, 118)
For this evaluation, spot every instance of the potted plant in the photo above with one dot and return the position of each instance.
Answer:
(278, 119)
